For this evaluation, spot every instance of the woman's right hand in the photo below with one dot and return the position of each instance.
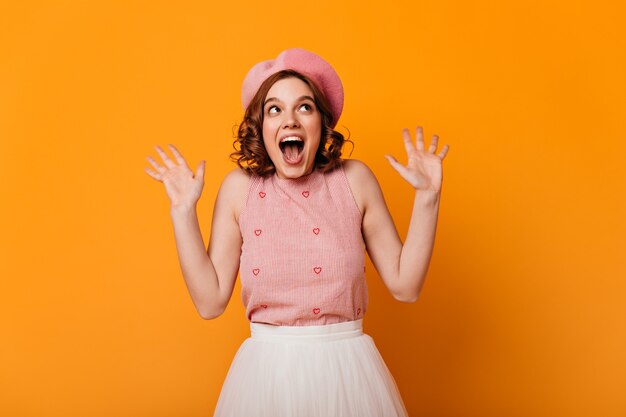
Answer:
(182, 186)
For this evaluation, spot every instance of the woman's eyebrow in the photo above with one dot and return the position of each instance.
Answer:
(299, 98)
(270, 99)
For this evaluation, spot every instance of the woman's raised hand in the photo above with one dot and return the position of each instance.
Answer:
(182, 186)
(423, 170)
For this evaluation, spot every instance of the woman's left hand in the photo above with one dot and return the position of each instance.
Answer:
(423, 171)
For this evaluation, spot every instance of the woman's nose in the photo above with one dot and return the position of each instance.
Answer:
(291, 120)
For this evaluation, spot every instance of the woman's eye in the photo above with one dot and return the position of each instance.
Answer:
(307, 107)
(271, 109)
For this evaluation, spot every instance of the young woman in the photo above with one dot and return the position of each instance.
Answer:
(294, 220)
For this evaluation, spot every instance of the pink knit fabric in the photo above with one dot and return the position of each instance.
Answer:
(303, 255)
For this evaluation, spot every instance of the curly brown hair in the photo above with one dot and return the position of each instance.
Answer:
(250, 153)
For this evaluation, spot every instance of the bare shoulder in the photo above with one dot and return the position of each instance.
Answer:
(234, 190)
(362, 181)
(359, 174)
(355, 168)
(236, 178)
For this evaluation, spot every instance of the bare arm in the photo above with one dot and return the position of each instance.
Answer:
(209, 274)
(403, 267)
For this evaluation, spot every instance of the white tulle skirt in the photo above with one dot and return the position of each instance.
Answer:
(309, 371)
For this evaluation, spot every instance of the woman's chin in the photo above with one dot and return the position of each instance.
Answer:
(288, 170)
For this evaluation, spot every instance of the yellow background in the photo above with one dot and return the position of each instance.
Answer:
(523, 312)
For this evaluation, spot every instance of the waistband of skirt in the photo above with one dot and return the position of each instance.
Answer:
(326, 332)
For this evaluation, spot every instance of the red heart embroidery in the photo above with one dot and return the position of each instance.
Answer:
(262, 194)
(257, 232)
(316, 310)
(358, 311)
(264, 305)
(305, 194)
(317, 269)
(316, 230)
(256, 271)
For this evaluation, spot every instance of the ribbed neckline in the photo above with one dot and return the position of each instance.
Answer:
(297, 181)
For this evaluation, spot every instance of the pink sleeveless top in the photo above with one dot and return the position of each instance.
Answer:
(303, 255)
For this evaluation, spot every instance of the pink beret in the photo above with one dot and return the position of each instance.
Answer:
(304, 62)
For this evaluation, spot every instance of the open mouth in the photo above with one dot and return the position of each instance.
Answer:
(291, 147)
